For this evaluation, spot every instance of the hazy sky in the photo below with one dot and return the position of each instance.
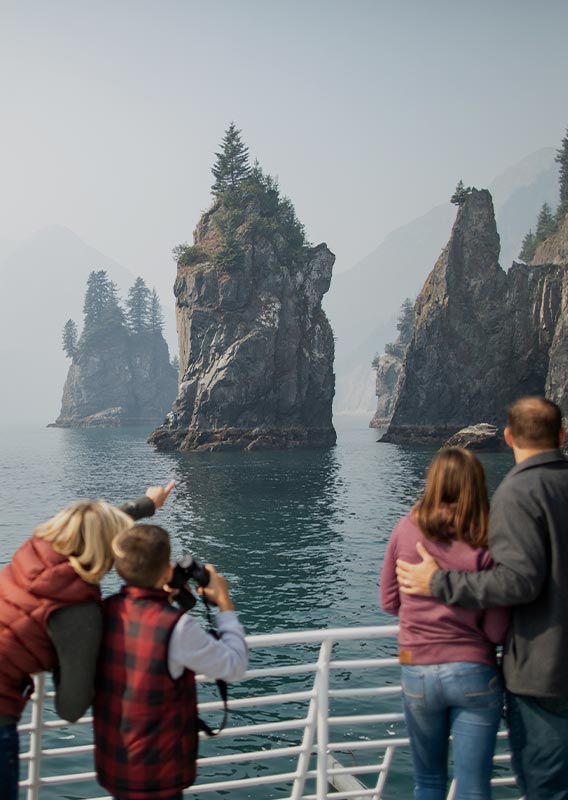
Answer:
(368, 111)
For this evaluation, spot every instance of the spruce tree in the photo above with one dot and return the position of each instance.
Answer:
(155, 316)
(528, 248)
(405, 323)
(562, 159)
(460, 195)
(97, 297)
(138, 307)
(545, 224)
(101, 308)
(232, 165)
(70, 339)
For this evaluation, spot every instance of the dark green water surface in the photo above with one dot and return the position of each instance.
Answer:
(300, 535)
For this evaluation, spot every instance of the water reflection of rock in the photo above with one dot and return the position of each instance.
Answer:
(271, 523)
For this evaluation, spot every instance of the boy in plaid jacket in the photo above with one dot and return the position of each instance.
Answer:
(145, 709)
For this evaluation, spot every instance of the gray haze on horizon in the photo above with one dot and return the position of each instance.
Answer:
(368, 111)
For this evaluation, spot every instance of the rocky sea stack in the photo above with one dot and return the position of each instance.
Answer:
(482, 337)
(256, 348)
(120, 372)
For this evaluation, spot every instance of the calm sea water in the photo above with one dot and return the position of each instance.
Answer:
(300, 535)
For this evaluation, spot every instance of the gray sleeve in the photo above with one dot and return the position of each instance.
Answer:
(76, 633)
(517, 544)
(139, 508)
(193, 648)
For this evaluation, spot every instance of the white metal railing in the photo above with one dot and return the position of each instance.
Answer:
(304, 742)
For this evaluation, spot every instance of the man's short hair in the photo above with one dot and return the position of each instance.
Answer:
(142, 553)
(535, 422)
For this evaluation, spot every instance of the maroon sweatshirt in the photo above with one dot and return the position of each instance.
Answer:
(431, 632)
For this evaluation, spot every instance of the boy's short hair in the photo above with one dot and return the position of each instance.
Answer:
(142, 553)
(535, 422)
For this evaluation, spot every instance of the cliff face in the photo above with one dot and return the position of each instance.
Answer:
(256, 349)
(119, 379)
(388, 368)
(482, 337)
(554, 249)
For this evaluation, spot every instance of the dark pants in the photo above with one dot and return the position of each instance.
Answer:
(9, 762)
(538, 734)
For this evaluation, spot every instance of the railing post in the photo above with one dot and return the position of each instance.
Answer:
(34, 767)
(307, 744)
(322, 693)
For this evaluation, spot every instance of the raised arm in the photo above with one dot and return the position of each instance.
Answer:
(517, 532)
(150, 502)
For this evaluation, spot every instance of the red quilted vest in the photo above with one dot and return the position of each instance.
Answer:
(37, 582)
(145, 722)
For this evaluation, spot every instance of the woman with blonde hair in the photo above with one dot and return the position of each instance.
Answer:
(50, 612)
(450, 680)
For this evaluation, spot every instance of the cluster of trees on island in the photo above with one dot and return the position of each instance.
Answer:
(548, 221)
(105, 315)
(247, 204)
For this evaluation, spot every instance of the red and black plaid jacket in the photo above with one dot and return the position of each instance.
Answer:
(145, 722)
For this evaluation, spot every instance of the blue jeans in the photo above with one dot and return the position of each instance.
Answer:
(538, 734)
(9, 761)
(463, 699)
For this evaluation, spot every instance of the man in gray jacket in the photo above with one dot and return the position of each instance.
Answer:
(528, 539)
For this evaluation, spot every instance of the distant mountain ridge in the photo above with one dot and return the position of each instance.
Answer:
(363, 302)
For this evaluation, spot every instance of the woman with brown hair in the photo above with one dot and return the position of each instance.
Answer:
(450, 680)
(50, 612)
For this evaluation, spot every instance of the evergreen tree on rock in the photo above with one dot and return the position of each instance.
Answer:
(460, 195)
(405, 323)
(102, 305)
(138, 307)
(528, 248)
(562, 159)
(155, 317)
(70, 339)
(545, 224)
(232, 165)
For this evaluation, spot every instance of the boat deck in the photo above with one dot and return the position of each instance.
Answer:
(318, 713)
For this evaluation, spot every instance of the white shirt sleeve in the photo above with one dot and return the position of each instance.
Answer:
(191, 647)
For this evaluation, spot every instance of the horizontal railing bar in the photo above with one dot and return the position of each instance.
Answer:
(64, 751)
(260, 700)
(243, 783)
(75, 777)
(322, 635)
(363, 663)
(267, 727)
(378, 691)
(366, 718)
(276, 672)
(366, 769)
(369, 744)
(341, 795)
(277, 752)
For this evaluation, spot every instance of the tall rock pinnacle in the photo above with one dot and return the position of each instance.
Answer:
(256, 349)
